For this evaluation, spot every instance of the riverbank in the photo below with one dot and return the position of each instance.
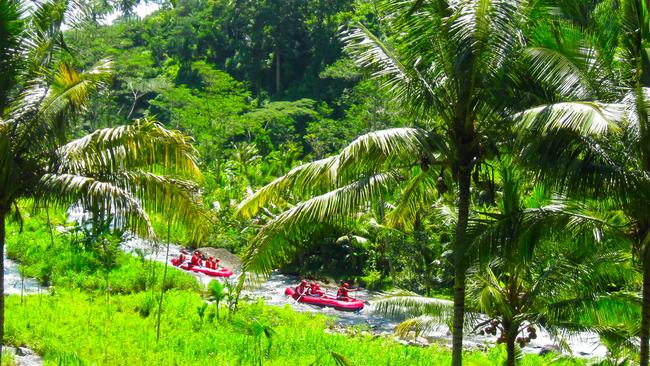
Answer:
(585, 344)
(20, 356)
(90, 314)
(74, 327)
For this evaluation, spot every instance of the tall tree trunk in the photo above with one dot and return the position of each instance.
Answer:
(278, 85)
(459, 264)
(136, 97)
(642, 115)
(3, 213)
(511, 337)
(645, 308)
(387, 249)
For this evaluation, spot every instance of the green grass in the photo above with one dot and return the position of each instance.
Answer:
(7, 359)
(64, 264)
(78, 325)
(73, 327)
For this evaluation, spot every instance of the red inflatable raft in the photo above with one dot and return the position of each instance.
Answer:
(221, 272)
(352, 305)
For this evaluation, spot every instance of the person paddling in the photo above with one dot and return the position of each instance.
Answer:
(302, 288)
(315, 290)
(342, 293)
(216, 263)
(199, 259)
(183, 257)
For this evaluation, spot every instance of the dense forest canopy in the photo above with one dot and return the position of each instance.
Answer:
(226, 73)
(258, 92)
(495, 153)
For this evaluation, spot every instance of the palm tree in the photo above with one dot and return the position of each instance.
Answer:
(520, 279)
(527, 280)
(446, 63)
(596, 142)
(121, 173)
(245, 155)
(217, 292)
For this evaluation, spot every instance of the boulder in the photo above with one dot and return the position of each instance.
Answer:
(24, 351)
(548, 348)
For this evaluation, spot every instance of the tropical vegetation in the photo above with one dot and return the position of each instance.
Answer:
(485, 163)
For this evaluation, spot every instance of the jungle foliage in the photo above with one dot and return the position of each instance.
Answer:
(493, 152)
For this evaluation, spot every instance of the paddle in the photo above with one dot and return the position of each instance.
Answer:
(359, 289)
(300, 297)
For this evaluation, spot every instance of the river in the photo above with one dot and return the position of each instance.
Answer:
(15, 283)
(586, 344)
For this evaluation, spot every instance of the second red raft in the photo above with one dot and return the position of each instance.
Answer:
(352, 305)
(221, 272)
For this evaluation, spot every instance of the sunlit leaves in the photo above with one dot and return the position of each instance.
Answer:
(145, 144)
(582, 117)
(283, 235)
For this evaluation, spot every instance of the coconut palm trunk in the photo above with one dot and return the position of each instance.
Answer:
(644, 352)
(459, 264)
(510, 332)
(2, 278)
(640, 105)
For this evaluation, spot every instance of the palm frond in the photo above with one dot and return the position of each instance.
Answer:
(314, 176)
(375, 151)
(567, 59)
(177, 201)
(368, 154)
(96, 196)
(518, 233)
(69, 94)
(409, 304)
(145, 144)
(340, 359)
(72, 89)
(637, 100)
(489, 293)
(420, 193)
(581, 165)
(570, 285)
(41, 115)
(12, 27)
(585, 118)
(558, 71)
(485, 33)
(45, 36)
(376, 55)
(604, 314)
(415, 81)
(280, 238)
(420, 325)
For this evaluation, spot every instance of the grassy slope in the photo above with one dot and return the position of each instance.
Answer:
(65, 265)
(72, 327)
(79, 324)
